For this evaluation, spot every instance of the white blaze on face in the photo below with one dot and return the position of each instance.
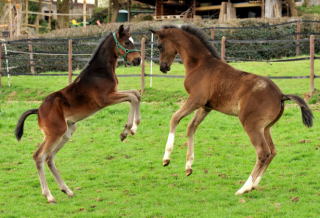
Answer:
(131, 39)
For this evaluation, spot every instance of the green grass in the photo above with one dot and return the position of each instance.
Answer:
(309, 9)
(112, 179)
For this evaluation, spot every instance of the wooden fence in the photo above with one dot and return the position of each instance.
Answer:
(224, 41)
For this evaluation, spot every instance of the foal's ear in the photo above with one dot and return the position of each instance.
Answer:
(121, 31)
(158, 33)
(153, 31)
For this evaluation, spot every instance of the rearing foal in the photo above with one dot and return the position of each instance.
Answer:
(215, 85)
(94, 89)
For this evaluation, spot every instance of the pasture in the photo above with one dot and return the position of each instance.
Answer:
(112, 178)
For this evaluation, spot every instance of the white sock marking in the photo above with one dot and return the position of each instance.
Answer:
(134, 127)
(189, 162)
(169, 146)
(255, 184)
(246, 187)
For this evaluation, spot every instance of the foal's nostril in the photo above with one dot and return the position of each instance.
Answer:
(164, 68)
(136, 61)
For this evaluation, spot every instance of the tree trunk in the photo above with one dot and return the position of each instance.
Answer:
(273, 9)
(63, 6)
(292, 6)
(115, 8)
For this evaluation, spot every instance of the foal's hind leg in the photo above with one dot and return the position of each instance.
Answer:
(197, 119)
(272, 155)
(257, 137)
(189, 106)
(39, 157)
(50, 160)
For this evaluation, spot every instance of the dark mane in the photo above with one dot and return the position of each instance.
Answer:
(97, 50)
(202, 37)
(94, 54)
(169, 26)
(199, 34)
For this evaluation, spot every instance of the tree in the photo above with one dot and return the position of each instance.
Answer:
(63, 6)
(115, 6)
(114, 9)
(293, 9)
(273, 8)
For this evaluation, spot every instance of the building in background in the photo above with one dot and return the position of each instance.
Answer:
(224, 10)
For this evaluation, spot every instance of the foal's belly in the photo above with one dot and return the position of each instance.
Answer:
(229, 106)
(77, 114)
(229, 110)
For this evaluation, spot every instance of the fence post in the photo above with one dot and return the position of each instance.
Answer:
(7, 64)
(143, 46)
(31, 61)
(84, 12)
(70, 61)
(223, 48)
(212, 32)
(311, 64)
(298, 37)
(151, 61)
(0, 64)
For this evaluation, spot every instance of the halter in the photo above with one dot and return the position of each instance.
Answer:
(119, 46)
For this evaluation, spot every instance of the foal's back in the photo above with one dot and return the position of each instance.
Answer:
(231, 90)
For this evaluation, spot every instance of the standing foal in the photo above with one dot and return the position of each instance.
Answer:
(94, 89)
(215, 85)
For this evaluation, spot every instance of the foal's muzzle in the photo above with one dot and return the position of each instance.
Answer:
(136, 61)
(164, 68)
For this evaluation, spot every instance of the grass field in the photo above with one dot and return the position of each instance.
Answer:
(112, 178)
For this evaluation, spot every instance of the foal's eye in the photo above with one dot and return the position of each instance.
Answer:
(159, 47)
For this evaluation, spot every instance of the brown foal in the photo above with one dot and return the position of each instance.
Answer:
(94, 89)
(215, 85)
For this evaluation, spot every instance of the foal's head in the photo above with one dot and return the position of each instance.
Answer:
(172, 38)
(167, 48)
(125, 46)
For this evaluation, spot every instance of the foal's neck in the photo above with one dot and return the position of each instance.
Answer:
(192, 52)
(104, 61)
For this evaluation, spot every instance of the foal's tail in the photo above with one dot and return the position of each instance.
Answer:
(20, 124)
(307, 115)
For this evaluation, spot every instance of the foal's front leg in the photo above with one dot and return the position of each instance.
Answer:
(122, 96)
(137, 116)
(189, 106)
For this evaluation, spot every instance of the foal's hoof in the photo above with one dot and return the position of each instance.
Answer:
(68, 192)
(165, 163)
(51, 200)
(188, 172)
(243, 191)
(123, 136)
(133, 131)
